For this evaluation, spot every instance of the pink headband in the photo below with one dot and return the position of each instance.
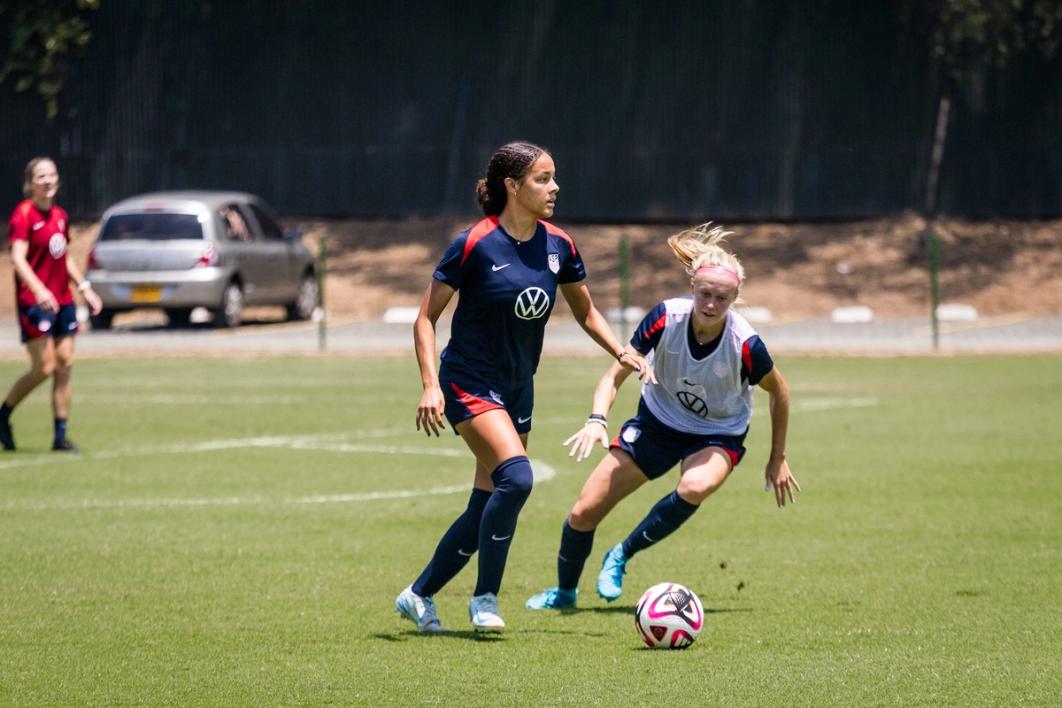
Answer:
(721, 270)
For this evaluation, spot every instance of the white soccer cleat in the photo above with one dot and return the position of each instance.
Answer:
(420, 610)
(483, 611)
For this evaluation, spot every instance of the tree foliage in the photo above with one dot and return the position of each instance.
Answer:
(969, 34)
(38, 38)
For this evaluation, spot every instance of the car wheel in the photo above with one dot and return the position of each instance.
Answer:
(305, 299)
(102, 320)
(230, 312)
(179, 317)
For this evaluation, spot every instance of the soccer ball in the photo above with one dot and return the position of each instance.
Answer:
(669, 616)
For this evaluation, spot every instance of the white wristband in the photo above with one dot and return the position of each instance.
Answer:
(83, 286)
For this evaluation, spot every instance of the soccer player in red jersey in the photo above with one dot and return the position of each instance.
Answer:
(37, 235)
(508, 268)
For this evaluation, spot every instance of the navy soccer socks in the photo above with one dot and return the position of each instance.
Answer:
(455, 549)
(575, 547)
(60, 430)
(666, 515)
(512, 485)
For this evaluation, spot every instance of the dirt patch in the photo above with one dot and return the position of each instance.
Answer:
(794, 270)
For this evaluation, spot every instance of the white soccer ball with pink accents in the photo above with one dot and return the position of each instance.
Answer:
(669, 616)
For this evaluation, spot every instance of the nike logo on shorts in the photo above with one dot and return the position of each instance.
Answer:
(496, 268)
(521, 421)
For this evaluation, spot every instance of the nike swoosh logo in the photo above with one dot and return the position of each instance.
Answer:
(503, 538)
(688, 382)
(523, 420)
(467, 555)
(646, 536)
(496, 268)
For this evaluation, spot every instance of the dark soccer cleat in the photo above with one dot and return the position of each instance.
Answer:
(65, 445)
(7, 437)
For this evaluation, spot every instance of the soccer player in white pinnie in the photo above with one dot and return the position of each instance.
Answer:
(706, 358)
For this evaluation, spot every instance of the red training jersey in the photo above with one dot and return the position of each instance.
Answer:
(46, 233)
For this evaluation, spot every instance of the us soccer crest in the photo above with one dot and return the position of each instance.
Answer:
(554, 262)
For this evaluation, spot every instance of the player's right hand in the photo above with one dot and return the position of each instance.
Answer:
(582, 443)
(430, 411)
(46, 300)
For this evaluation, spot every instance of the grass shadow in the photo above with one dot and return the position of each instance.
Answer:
(463, 634)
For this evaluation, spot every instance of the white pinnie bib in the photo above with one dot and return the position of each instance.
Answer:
(701, 397)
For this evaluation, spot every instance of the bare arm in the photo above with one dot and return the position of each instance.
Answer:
(430, 410)
(778, 474)
(596, 428)
(24, 271)
(594, 323)
(75, 276)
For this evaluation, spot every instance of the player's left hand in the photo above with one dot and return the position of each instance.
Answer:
(93, 301)
(782, 480)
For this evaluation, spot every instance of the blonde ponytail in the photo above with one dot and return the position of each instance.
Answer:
(699, 247)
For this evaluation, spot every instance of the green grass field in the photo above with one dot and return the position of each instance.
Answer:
(238, 530)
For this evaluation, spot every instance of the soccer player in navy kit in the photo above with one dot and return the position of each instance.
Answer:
(706, 359)
(507, 268)
(38, 238)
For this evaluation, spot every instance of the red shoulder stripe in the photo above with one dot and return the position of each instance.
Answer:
(656, 326)
(746, 356)
(476, 234)
(557, 231)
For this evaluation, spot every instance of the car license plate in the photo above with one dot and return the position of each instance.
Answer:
(146, 293)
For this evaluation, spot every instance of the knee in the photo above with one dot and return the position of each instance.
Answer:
(584, 517)
(43, 368)
(696, 491)
(514, 476)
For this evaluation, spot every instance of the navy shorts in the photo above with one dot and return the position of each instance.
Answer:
(34, 321)
(467, 396)
(657, 448)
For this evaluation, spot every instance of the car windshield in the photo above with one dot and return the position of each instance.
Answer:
(152, 226)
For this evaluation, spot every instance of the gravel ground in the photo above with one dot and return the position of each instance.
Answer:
(810, 336)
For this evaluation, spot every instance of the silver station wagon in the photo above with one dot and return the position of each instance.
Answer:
(182, 250)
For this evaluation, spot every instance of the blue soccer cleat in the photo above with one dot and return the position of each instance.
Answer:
(552, 599)
(610, 579)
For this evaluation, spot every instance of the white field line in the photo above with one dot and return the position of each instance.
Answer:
(813, 405)
(195, 400)
(206, 446)
(543, 473)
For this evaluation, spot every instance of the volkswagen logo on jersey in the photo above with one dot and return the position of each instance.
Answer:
(693, 403)
(553, 261)
(57, 245)
(532, 304)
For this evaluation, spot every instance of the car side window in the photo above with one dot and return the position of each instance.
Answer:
(270, 228)
(235, 225)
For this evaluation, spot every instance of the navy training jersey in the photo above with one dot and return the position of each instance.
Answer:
(507, 289)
